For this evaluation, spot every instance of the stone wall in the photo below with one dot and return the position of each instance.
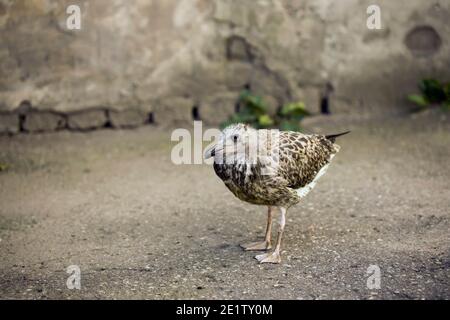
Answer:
(141, 61)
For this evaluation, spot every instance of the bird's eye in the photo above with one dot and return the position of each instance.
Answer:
(235, 138)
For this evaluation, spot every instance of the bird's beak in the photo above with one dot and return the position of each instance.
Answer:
(210, 152)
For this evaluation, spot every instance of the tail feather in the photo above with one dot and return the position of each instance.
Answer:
(332, 137)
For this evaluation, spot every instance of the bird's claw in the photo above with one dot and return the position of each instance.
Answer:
(256, 246)
(271, 257)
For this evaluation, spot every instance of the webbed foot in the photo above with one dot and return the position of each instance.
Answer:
(256, 246)
(270, 257)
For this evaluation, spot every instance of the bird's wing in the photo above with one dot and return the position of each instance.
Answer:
(302, 156)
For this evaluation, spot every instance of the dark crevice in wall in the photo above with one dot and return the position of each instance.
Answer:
(151, 118)
(324, 106)
(325, 99)
(22, 119)
(24, 107)
(196, 113)
(108, 123)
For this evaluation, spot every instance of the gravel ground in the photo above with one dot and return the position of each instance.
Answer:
(139, 226)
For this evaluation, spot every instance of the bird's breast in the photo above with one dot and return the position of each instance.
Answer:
(249, 185)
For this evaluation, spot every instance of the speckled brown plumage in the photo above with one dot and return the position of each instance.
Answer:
(300, 159)
(282, 179)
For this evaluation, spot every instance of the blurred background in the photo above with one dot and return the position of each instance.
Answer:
(140, 61)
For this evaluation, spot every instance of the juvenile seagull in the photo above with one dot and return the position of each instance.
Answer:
(272, 168)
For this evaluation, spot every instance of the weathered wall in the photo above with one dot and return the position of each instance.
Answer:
(372, 71)
(133, 58)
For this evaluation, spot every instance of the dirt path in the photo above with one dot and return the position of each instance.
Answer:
(138, 226)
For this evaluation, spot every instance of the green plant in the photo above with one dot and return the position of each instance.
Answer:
(254, 111)
(433, 93)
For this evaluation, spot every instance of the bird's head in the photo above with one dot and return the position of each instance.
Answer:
(233, 144)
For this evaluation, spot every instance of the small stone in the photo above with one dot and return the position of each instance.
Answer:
(86, 120)
(9, 123)
(127, 118)
(43, 121)
(278, 285)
